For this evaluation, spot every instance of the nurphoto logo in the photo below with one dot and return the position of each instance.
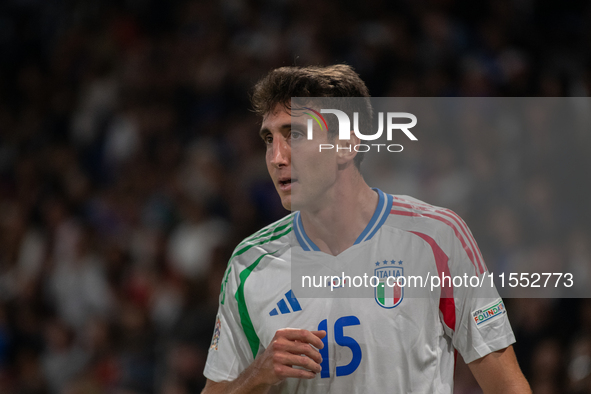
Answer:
(345, 129)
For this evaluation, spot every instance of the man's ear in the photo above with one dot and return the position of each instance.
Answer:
(346, 148)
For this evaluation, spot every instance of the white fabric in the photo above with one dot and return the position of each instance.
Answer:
(405, 349)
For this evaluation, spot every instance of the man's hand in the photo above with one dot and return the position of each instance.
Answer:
(291, 354)
(290, 347)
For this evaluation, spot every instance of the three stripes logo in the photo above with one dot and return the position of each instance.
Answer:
(283, 306)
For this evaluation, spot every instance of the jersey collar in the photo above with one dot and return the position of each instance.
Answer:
(377, 220)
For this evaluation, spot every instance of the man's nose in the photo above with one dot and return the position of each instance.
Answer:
(281, 152)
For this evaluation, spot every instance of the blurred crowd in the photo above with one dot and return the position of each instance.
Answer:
(130, 166)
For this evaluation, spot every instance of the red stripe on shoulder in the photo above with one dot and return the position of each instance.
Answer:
(447, 212)
(446, 300)
(458, 226)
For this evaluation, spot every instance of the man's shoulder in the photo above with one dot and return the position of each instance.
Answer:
(415, 214)
(267, 240)
(404, 203)
(435, 225)
(271, 231)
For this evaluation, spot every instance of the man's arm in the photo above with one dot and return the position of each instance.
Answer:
(499, 372)
(288, 348)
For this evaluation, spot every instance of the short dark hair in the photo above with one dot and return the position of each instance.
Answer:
(339, 80)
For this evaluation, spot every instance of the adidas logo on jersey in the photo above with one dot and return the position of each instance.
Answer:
(282, 305)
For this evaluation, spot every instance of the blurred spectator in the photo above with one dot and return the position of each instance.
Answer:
(79, 285)
(63, 359)
(192, 242)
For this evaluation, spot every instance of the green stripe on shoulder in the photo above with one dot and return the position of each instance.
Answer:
(268, 230)
(245, 320)
(278, 233)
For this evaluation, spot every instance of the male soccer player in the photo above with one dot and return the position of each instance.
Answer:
(269, 339)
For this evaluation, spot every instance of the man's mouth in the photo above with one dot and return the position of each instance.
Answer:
(285, 184)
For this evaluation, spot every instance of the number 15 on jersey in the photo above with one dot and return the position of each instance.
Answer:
(342, 340)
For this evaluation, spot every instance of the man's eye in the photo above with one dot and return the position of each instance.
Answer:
(268, 139)
(296, 135)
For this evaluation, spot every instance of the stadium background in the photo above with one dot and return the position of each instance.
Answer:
(130, 166)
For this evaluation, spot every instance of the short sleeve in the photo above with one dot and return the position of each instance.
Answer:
(229, 353)
(481, 322)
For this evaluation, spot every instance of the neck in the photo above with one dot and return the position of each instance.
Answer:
(337, 223)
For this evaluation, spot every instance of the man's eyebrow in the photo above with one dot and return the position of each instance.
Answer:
(263, 132)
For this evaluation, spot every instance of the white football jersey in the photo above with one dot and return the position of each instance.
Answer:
(391, 338)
